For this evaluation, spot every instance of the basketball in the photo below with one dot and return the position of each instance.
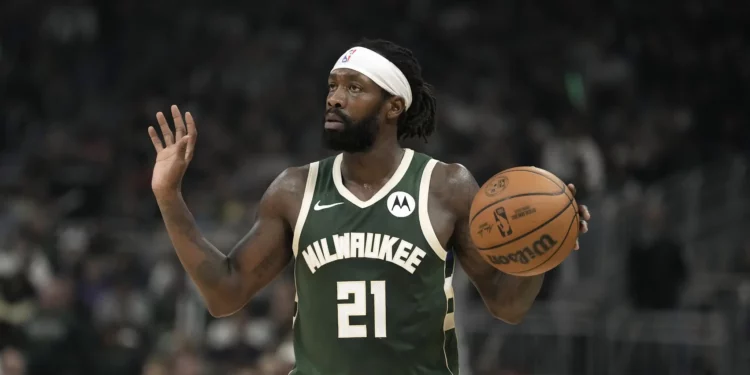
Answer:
(524, 221)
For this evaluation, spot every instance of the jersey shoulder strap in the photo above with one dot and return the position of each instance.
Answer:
(325, 176)
(423, 179)
(413, 176)
(307, 197)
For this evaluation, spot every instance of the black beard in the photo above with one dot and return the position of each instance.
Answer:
(355, 136)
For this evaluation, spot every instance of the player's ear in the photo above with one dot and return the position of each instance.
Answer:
(396, 106)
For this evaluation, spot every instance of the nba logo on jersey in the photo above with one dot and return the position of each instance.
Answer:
(348, 55)
(401, 204)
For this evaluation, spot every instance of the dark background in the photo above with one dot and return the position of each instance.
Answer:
(641, 104)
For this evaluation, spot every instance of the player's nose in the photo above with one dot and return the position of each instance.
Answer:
(336, 98)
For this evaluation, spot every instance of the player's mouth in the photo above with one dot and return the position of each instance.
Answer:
(334, 122)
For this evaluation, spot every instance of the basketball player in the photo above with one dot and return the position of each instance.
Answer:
(373, 231)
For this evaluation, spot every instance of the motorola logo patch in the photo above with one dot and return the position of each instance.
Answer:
(401, 204)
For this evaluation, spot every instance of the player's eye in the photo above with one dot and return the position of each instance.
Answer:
(331, 86)
(354, 88)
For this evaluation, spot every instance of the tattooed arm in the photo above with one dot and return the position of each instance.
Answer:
(507, 297)
(227, 282)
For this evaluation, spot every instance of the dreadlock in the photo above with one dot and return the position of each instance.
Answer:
(419, 120)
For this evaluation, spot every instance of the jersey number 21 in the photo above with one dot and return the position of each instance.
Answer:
(358, 307)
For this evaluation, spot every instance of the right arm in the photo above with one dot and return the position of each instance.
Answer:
(226, 282)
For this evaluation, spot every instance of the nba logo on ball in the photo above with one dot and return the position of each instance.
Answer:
(348, 55)
(401, 204)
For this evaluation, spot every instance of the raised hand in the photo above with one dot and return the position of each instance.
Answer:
(583, 214)
(174, 154)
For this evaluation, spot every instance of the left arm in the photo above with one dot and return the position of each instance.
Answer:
(507, 297)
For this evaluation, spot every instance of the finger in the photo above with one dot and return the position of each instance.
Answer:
(193, 134)
(179, 125)
(191, 130)
(155, 139)
(584, 212)
(189, 147)
(572, 189)
(182, 147)
(165, 130)
(578, 246)
(584, 227)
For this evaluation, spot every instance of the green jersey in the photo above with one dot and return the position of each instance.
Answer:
(374, 293)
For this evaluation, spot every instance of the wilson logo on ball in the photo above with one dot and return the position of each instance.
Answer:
(539, 247)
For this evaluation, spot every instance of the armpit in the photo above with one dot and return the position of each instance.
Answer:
(452, 189)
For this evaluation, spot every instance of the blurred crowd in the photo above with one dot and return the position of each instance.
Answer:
(608, 95)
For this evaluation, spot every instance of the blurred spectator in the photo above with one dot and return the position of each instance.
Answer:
(155, 367)
(59, 341)
(24, 270)
(12, 362)
(188, 363)
(656, 267)
(574, 156)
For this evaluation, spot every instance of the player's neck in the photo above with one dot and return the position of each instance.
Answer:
(374, 166)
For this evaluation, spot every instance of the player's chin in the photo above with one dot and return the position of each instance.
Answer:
(332, 140)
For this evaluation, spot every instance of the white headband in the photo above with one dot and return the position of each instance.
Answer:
(377, 68)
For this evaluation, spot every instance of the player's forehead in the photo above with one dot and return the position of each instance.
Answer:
(345, 74)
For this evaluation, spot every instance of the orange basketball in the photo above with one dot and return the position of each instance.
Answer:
(524, 221)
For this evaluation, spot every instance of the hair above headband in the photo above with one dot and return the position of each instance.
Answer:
(377, 68)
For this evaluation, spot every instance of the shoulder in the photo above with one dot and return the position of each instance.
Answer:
(290, 181)
(284, 195)
(454, 186)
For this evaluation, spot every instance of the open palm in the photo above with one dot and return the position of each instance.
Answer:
(173, 155)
